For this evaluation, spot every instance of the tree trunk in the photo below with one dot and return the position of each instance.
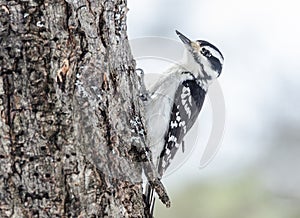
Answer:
(71, 119)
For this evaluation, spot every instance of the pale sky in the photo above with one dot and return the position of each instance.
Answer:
(260, 40)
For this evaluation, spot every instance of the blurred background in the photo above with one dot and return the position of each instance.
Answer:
(256, 172)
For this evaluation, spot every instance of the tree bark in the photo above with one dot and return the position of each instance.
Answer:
(71, 119)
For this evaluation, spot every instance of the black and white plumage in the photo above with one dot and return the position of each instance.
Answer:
(176, 100)
(188, 101)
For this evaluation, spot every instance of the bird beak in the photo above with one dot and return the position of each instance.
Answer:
(193, 46)
(183, 38)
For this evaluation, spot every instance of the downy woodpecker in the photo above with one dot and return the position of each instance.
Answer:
(174, 102)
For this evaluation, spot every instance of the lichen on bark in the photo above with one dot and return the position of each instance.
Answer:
(68, 104)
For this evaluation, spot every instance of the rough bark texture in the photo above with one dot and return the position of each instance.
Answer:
(69, 109)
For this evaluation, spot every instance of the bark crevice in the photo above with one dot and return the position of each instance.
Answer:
(68, 94)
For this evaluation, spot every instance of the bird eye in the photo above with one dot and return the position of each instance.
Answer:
(205, 52)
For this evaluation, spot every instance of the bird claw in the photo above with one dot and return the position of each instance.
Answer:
(144, 94)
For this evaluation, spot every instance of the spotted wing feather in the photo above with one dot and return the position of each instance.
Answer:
(188, 102)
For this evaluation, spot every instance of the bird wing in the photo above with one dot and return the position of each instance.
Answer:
(189, 98)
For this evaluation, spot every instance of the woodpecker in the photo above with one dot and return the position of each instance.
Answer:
(175, 101)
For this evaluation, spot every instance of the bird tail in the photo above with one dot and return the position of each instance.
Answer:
(150, 199)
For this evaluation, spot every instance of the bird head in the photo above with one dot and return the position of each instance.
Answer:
(203, 56)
